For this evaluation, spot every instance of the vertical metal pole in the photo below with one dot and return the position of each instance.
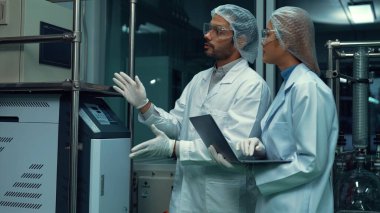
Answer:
(75, 108)
(131, 58)
(131, 66)
(330, 65)
(336, 90)
(270, 69)
(260, 18)
(330, 83)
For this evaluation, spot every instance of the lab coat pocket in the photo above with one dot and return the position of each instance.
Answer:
(222, 196)
(281, 142)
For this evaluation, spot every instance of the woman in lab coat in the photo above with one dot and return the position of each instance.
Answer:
(237, 98)
(301, 124)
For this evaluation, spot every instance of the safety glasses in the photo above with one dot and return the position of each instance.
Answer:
(218, 31)
(265, 33)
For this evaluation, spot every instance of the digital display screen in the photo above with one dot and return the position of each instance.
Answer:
(55, 53)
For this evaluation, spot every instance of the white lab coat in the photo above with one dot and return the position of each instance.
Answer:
(237, 103)
(301, 125)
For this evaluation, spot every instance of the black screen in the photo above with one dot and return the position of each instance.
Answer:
(55, 53)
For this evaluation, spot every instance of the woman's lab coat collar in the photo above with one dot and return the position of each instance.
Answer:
(295, 76)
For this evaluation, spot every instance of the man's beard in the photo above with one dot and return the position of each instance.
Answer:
(219, 54)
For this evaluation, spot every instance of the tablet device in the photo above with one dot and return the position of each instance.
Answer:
(210, 134)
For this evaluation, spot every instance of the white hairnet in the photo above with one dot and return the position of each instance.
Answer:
(244, 25)
(295, 31)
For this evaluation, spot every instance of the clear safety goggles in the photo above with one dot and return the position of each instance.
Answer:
(265, 33)
(218, 31)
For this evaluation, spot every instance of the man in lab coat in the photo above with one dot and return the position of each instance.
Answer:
(301, 125)
(234, 94)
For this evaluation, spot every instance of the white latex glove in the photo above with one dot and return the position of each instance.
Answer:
(160, 146)
(219, 159)
(251, 146)
(133, 91)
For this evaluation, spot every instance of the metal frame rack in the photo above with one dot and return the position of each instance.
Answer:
(360, 80)
(332, 74)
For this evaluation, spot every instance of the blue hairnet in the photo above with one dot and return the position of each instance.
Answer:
(294, 30)
(244, 25)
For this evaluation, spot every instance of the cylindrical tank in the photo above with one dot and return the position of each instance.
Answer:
(360, 100)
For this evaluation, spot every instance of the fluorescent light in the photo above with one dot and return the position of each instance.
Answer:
(149, 28)
(144, 29)
(373, 100)
(125, 28)
(361, 13)
(153, 81)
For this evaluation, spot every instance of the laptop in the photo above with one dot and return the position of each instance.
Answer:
(210, 134)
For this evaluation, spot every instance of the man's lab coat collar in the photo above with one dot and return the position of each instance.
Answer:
(231, 75)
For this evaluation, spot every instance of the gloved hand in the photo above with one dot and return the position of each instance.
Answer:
(222, 162)
(218, 158)
(133, 91)
(160, 146)
(251, 146)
